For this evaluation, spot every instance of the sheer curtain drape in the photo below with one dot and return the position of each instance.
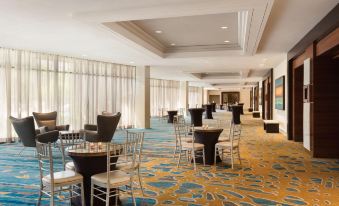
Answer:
(195, 96)
(164, 94)
(78, 89)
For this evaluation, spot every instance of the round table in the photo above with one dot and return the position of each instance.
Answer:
(208, 111)
(209, 137)
(90, 159)
(171, 114)
(196, 116)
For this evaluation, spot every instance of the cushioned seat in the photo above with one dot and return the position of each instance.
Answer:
(226, 144)
(117, 178)
(63, 177)
(126, 166)
(186, 139)
(70, 166)
(197, 146)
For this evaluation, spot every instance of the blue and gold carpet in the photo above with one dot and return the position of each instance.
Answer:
(274, 171)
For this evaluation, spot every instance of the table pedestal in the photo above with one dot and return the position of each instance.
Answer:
(209, 138)
(171, 115)
(208, 111)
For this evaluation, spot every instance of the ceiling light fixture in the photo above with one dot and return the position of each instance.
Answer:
(172, 44)
(223, 27)
(227, 41)
(261, 65)
(158, 31)
(84, 55)
(131, 62)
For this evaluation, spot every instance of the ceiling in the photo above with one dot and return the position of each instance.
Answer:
(260, 33)
(193, 30)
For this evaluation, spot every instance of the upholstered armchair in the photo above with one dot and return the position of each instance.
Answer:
(94, 127)
(27, 134)
(104, 131)
(49, 120)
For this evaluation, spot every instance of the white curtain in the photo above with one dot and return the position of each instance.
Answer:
(77, 89)
(195, 96)
(164, 94)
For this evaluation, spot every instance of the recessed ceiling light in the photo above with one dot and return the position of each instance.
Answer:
(131, 62)
(227, 41)
(264, 59)
(223, 27)
(84, 55)
(261, 65)
(172, 44)
(158, 31)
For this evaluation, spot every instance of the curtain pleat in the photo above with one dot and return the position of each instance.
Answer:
(194, 96)
(77, 89)
(164, 94)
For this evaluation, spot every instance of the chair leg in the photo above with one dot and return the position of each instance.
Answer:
(51, 201)
(203, 157)
(140, 183)
(83, 194)
(179, 159)
(215, 155)
(92, 193)
(70, 194)
(21, 151)
(193, 156)
(40, 195)
(108, 190)
(132, 193)
(239, 157)
(232, 159)
(116, 196)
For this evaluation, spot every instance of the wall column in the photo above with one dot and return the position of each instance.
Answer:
(142, 97)
(184, 94)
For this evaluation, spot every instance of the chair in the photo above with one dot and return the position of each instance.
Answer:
(104, 131)
(113, 179)
(49, 120)
(125, 163)
(179, 119)
(231, 147)
(226, 126)
(190, 149)
(70, 140)
(25, 129)
(163, 114)
(56, 183)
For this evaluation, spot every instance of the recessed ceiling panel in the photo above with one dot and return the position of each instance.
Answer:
(214, 29)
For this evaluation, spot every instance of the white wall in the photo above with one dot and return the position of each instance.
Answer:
(244, 95)
(281, 115)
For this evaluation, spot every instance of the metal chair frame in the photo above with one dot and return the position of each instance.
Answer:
(125, 151)
(233, 148)
(190, 152)
(45, 157)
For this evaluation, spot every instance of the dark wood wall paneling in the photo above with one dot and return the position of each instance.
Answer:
(321, 44)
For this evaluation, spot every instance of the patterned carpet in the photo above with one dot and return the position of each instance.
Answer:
(274, 171)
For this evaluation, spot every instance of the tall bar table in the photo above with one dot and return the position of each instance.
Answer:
(208, 111)
(196, 116)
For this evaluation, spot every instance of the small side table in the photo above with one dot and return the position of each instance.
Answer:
(271, 126)
(256, 114)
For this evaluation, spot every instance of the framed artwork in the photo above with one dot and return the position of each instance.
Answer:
(280, 93)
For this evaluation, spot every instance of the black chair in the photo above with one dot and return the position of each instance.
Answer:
(49, 120)
(104, 131)
(27, 134)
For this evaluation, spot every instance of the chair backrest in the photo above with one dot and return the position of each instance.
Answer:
(46, 119)
(235, 134)
(179, 119)
(107, 126)
(71, 138)
(115, 151)
(182, 130)
(107, 113)
(25, 129)
(45, 158)
(139, 136)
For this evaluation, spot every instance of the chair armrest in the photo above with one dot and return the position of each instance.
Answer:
(46, 137)
(41, 130)
(91, 136)
(62, 127)
(91, 127)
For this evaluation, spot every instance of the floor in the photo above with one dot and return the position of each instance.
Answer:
(274, 171)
